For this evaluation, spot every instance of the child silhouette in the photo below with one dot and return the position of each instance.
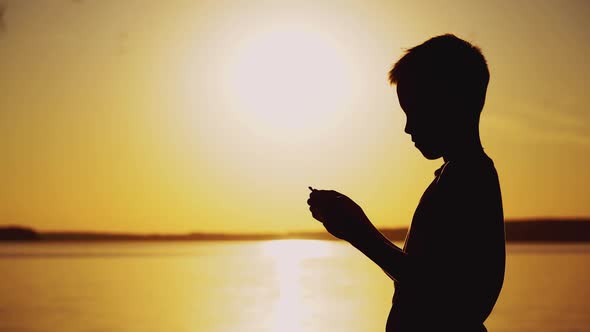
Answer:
(450, 271)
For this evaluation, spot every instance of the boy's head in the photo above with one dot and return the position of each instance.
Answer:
(441, 86)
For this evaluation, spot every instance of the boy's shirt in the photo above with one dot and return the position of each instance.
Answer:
(455, 248)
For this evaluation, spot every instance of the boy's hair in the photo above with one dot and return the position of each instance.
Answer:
(448, 63)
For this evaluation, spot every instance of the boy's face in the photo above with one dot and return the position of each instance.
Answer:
(424, 107)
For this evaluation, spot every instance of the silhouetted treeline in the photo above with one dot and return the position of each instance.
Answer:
(95, 236)
(16, 233)
(548, 230)
(539, 230)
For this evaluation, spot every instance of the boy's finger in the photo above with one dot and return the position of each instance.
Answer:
(316, 214)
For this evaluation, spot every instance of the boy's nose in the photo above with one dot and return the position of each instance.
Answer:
(407, 128)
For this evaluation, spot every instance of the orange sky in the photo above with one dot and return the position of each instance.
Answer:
(174, 116)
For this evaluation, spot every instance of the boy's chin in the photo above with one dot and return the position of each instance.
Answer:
(430, 154)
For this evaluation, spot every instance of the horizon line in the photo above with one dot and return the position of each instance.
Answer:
(261, 233)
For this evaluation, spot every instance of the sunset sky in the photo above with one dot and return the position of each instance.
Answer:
(182, 115)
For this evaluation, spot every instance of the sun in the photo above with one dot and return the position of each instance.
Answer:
(268, 103)
(288, 80)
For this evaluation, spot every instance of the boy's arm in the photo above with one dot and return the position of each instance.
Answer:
(344, 219)
(389, 257)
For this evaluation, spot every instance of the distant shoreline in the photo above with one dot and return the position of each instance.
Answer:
(522, 230)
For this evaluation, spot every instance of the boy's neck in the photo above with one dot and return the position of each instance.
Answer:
(465, 148)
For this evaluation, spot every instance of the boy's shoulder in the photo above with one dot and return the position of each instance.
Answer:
(468, 171)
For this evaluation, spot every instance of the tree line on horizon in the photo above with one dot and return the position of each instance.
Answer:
(533, 230)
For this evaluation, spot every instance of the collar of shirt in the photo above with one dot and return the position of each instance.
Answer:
(439, 171)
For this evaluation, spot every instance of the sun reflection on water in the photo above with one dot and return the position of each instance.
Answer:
(288, 255)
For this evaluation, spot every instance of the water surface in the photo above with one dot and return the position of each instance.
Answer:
(284, 285)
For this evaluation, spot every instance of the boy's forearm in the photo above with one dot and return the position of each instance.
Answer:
(383, 252)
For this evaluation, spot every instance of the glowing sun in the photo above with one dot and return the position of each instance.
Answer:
(289, 79)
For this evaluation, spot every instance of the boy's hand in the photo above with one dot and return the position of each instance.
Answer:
(340, 215)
